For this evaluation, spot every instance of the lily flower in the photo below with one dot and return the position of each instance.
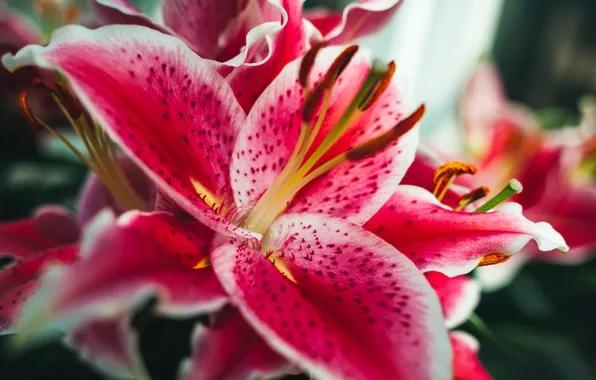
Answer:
(262, 182)
(280, 196)
(504, 140)
(251, 41)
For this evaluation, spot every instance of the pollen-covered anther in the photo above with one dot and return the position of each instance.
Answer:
(379, 143)
(493, 259)
(472, 196)
(450, 171)
(452, 168)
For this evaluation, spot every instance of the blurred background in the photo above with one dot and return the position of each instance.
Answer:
(539, 327)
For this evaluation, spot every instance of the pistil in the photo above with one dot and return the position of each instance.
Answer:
(513, 187)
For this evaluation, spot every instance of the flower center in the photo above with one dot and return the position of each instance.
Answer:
(101, 152)
(305, 163)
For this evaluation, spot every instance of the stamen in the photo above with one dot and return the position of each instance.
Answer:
(380, 88)
(350, 114)
(313, 100)
(71, 104)
(381, 142)
(472, 196)
(99, 146)
(513, 187)
(308, 62)
(493, 259)
(450, 171)
(342, 61)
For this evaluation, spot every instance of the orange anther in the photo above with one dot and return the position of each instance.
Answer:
(474, 195)
(493, 259)
(453, 168)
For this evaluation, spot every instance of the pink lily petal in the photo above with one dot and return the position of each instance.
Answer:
(436, 238)
(95, 196)
(110, 345)
(20, 279)
(123, 12)
(286, 40)
(231, 350)
(167, 108)
(358, 19)
(215, 30)
(122, 263)
(466, 365)
(337, 301)
(271, 131)
(459, 296)
(49, 226)
(544, 177)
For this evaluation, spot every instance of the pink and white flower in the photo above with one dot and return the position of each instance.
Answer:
(505, 141)
(280, 197)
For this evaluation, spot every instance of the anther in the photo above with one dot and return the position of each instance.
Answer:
(27, 113)
(380, 87)
(342, 61)
(450, 171)
(308, 62)
(452, 168)
(472, 196)
(381, 142)
(493, 259)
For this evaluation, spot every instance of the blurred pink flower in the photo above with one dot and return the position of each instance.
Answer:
(505, 141)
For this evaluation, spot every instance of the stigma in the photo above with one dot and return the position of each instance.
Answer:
(101, 153)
